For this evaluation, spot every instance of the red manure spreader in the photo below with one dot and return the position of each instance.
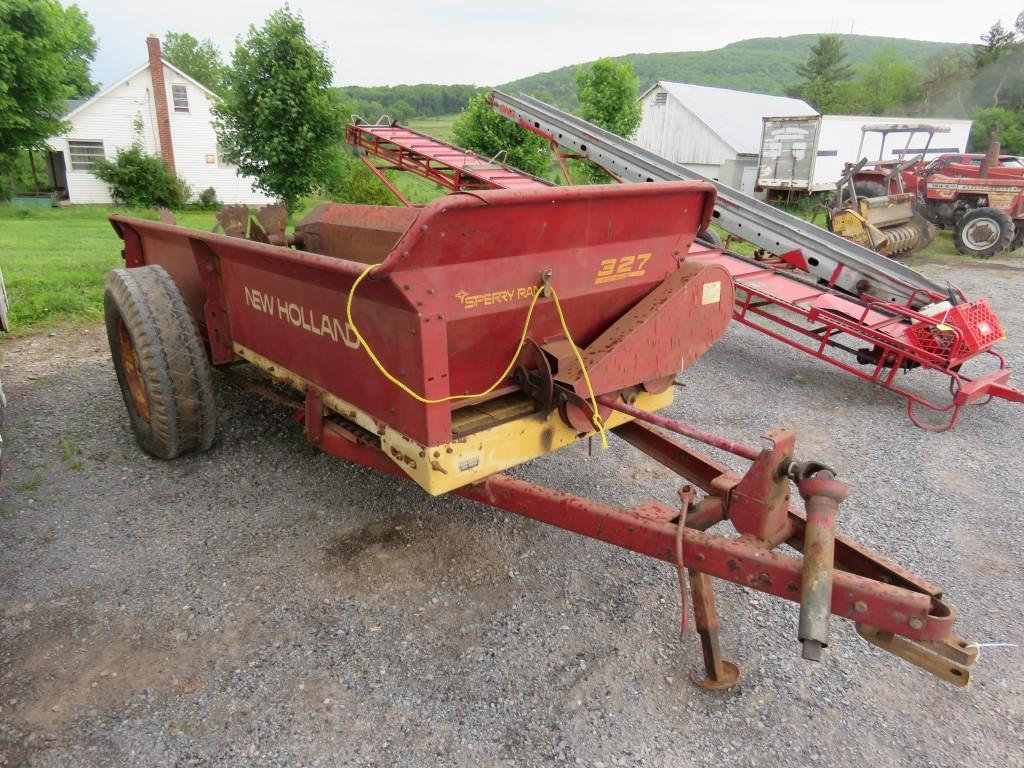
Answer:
(827, 296)
(448, 343)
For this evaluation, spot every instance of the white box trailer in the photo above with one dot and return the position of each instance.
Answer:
(805, 154)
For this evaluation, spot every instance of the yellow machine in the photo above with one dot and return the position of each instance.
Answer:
(877, 212)
(888, 224)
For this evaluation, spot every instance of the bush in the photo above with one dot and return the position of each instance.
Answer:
(207, 200)
(482, 130)
(347, 180)
(139, 180)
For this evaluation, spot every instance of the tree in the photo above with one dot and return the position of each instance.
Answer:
(277, 121)
(942, 83)
(994, 43)
(80, 52)
(197, 59)
(825, 69)
(607, 93)
(826, 60)
(484, 131)
(888, 80)
(401, 110)
(999, 61)
(1009, 124)
(44, 55)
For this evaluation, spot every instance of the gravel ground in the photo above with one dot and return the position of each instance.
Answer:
(266, 605)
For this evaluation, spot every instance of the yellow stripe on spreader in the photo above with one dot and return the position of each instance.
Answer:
(595, 418)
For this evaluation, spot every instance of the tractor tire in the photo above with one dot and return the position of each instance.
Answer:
(983, 232)
(160, 361)
(1018, 240)
(710, 238)
(869, 189)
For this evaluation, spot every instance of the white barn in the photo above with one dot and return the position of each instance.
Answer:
(165, 110)
(713, 131)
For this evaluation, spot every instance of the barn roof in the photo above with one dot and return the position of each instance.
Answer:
(736, 116)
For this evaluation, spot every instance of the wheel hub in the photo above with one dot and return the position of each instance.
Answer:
(132, 374)
(981, 233)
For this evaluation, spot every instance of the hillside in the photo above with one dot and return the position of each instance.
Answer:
(763, 65)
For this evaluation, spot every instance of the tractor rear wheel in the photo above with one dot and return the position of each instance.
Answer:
(160, 361)
(983, 232)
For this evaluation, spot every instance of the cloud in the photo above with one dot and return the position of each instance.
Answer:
(487, 43)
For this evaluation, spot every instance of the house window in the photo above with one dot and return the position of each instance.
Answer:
(179, 94)
(660, 98)
(84, 154)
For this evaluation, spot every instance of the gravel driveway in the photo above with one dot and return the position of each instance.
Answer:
(267, 605)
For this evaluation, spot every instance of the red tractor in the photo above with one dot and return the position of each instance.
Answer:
(983, 203)
(979, 196)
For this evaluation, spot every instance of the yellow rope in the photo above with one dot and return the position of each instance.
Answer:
(595, 418)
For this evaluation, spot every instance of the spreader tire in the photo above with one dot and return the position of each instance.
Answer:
(983, 232)
(160, 361)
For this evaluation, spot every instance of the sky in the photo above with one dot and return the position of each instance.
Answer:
(489, 43)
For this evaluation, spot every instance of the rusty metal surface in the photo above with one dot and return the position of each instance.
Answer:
(741, 561)
(666, 332)
(446, 309)
(132, 374)
(822, 495)
(719, 674)
(234, 220)
(273, 218)
(681, 428)
(921, 655)
(361, 233)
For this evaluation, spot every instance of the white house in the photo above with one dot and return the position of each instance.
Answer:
(163, 108)
(713, 131)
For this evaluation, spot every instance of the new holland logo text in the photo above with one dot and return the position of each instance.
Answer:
(316, 323)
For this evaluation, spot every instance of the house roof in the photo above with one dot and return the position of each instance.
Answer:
(76, 106)
(70, 105)
(735, 116)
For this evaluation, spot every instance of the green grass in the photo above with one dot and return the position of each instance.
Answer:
(32, 483)
(55, 260)
(68, 450)
(439, 127)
